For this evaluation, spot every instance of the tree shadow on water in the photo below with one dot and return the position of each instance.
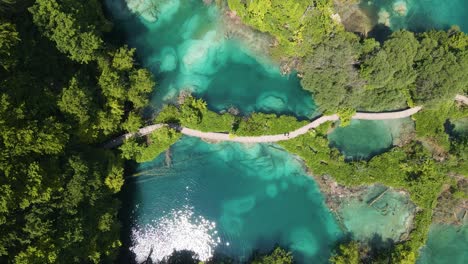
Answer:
(380, 32)
(126, 216)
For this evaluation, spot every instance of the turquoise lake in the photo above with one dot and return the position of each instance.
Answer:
(418, 15)
(446, 245)
(230, 198)
(187, 49)
(363, 139)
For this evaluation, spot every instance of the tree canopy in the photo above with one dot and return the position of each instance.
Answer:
(64, 90)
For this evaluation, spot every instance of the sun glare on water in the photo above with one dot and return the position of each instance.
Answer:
(178, 230)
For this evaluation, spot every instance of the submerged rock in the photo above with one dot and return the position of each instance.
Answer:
(372, 214)
(401, 8)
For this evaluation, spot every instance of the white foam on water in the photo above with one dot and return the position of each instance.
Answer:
(178, 230)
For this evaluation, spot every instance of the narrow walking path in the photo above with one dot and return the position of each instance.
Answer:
(214, 136)
(462, 99)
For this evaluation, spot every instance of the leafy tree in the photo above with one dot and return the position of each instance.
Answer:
(133, 122)
(441, 71)
(346, 115)
(141, 83)
(76, 101)
(147, 149)
(58, 188)
(82, 45)
(330, 73)
(347, 254)
(278, 256)
(9, 38)
(296, 25)
(122, 59)
(392, 66)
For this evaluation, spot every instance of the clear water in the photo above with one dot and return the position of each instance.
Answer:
(186, 47)
(387, 215)
(232, 199)
(363, 139)
(225, 198)
(446, 245)
(418, 15)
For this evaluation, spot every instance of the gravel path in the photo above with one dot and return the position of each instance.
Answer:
(462, 99)
(265, 138)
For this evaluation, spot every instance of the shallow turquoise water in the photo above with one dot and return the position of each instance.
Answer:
(446, 245)
(419, 15)
(187, 49)
(387, 214)
(232, 199)
(363, 139)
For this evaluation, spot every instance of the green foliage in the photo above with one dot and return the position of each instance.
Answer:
(141, 84)
(81, 44)
(122, 59)
(411, 168)
(9, 38)
(62, 91)
(407, 69)
(147, 149)
(431, 122)
(194, 114)
(441, 70)
(267, 124)
(347, 254)
(133, 123)
(392, 66)
(278, 256)
(330, 74)
(296, 25)
(346, 115)
(114, 180)
(76, 102)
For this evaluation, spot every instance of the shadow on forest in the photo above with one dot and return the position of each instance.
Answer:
(127, 198)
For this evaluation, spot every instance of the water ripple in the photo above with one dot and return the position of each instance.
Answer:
(178, 230)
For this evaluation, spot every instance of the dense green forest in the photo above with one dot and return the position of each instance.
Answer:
(64, 90)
